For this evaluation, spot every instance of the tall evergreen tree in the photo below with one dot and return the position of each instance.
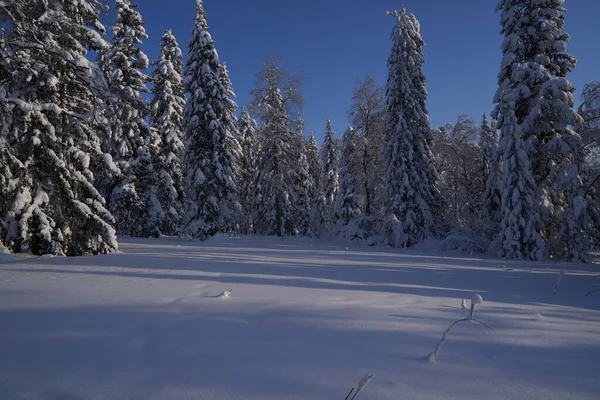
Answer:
(411, 176)
(133, 199)
(314, 162)
(532, 79)
(11, 170)
(166, 113)
(330, 161)
(303, 189)
(317, 197)
(520, 216)
(347, 207)
(52, 87)
(209, 124)
(247, 163)
(232, 147)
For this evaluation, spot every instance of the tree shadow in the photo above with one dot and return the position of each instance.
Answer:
(328, 266)
(280, 352)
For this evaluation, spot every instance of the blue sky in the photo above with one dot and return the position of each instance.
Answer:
(335, 42)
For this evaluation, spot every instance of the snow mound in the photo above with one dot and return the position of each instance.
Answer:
(462, 239)
(476, 299)
(225, 295)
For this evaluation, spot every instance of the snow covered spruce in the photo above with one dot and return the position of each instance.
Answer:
(543, 204)
(50, 147)
(212, 143)
(411, 190)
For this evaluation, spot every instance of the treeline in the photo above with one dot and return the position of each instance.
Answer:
(83, 156)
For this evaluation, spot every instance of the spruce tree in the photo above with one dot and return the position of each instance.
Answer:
(133, 198)
(314, 163)
(303, 189)
(11, 170)
(317, 196)
(54, 207)
(166, 113)
(330, 162)
(532, 79)
(520, 216)
(209, 127)
(347, 207)
(247, 164)
(411, 176)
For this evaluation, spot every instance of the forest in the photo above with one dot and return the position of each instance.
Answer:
(92, 147)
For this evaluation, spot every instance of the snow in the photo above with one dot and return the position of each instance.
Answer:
(476, 299)
(307, 320)
(5, 257)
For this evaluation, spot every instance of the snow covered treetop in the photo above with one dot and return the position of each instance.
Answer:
(128, 18)
(201, 15)
(404, 18)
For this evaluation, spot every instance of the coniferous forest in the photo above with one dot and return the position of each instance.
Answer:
(94, 147)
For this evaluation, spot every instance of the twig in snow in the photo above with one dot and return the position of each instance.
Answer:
(477, 299)
(593, 291)
(558, 280)
(347, 397)
(361, 386)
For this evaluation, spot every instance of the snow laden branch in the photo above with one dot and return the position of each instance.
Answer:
(27, 107)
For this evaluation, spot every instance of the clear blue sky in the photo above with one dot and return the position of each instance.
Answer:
(336, 42)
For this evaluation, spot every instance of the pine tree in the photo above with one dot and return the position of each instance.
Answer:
(209, 126)
(532, 78)
(133, 198)
(247, 163)
(166, 113)
(347, 207)
(330, 161)
(411, 176)
(54, 207)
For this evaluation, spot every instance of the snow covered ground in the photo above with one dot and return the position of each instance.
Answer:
(304, 321)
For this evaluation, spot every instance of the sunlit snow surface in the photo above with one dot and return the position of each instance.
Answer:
(305, 320)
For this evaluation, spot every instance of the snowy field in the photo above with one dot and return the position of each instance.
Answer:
(304, 321)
